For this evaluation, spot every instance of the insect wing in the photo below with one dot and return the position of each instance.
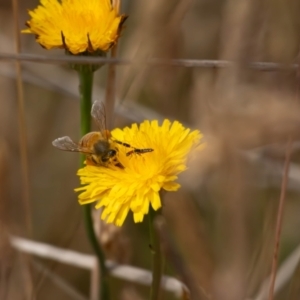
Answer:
(98, 113)
(65, 143)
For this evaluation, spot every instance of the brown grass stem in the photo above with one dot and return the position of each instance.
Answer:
(280, 212)
(22, 135)
(110, 95)
(22, 125)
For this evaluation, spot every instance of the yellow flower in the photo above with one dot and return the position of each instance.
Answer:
(137, 185)
(76, 25)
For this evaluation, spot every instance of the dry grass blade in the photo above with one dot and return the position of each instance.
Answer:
(185, 63)
(125, 272)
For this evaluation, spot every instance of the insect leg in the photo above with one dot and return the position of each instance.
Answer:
(139, 151)
(123, 144)
(134, 150)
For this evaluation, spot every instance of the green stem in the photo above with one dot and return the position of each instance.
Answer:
(85, 88)
(157, 258)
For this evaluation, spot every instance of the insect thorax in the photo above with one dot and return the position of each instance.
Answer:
(104, 149)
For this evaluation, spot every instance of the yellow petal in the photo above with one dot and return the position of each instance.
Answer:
(137, 185)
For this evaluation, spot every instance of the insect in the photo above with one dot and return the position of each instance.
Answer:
(98, 146)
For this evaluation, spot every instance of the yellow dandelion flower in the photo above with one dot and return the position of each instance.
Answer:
(76, 25)
(137, 185)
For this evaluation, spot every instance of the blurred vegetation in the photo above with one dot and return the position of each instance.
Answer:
(222, 220)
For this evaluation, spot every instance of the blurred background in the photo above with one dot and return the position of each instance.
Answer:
(222, 221)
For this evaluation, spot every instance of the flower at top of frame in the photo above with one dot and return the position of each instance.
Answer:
(136, 186)
(78, 26)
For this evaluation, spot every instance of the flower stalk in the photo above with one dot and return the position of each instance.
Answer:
(85, 89)
(156, 257)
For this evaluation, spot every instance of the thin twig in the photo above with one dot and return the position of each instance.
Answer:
(280, 217)
(187, 63)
